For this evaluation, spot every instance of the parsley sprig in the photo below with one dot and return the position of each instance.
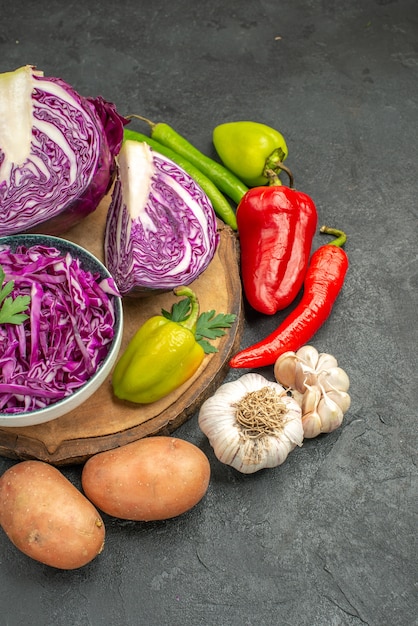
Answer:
(11, 309)
(209, 325)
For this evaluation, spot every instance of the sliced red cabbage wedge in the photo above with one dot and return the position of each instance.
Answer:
(57, 152)
(161, 229)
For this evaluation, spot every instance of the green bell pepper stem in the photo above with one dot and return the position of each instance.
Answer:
(275, 161)
(341, 237)
(191, 320)
(273, 177)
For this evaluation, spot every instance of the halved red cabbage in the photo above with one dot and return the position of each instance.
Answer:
(67, 335)
(57, 152)
(161, 229)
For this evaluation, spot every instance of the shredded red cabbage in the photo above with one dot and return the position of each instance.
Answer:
(67, 335)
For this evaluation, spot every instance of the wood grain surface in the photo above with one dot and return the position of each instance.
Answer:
(103, 422)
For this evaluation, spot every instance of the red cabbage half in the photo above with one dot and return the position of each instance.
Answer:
(57, 152)
(161, 229)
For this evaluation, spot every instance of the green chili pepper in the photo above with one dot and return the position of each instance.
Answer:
(249, 149)
(160, 357)
(220, 204)
(227, 182)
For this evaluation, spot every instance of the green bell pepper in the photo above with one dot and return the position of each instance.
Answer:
(249, 150)
(161, 356)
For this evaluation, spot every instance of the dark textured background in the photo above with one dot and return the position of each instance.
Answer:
(329, 538)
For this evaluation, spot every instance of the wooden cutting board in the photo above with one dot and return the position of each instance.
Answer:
(103, 422)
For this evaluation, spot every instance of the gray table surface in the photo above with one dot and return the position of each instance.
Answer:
(329, 538)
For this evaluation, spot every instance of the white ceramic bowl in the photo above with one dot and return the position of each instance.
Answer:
(90, 263)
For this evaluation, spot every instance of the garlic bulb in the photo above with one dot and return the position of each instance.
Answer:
(319, 386)
(251, 423)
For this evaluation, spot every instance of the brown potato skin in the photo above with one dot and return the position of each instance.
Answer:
(154, 478)
(47, 517)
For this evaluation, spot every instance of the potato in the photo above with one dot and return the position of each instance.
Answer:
(154, 478)
(47, 517)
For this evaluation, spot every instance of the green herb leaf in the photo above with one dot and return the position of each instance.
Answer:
(179, 311)
(211, 326)
(208, 348)
(11, 310)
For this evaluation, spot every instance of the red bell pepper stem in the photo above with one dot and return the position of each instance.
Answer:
(323, 282)
(271, 173)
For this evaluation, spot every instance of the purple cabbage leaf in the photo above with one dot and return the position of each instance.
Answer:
(57, 152)
(161, 229)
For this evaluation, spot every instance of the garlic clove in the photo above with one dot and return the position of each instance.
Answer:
(330, 413)
(294, 434)
(284, 369)
(278, 452)
(310, 399)
(309, 355)
(334, 378)
(305, 377)
(311, 423)
(311, 420)
(214, 423)
(226, 446)
(326, 362)
(216, 413)
(296, 395)
(341, 398)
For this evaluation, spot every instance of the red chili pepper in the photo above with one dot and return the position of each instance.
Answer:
(323, 282)
(276, 226)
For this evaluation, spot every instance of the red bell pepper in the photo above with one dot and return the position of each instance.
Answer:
(323, 282)
(276, 226)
